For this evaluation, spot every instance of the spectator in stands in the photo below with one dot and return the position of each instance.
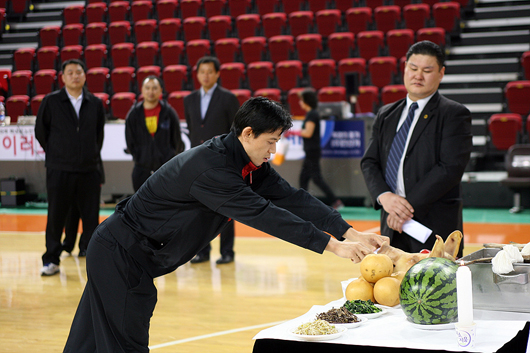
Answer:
(180, 209)
(69, 127)
(209, 112)
(311, 135)
(417, 174)
(152, 132)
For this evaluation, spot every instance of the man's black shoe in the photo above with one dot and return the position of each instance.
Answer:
(199, 258)
(82, 253)
(225, 259)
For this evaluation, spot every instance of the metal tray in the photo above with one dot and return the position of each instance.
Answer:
(509, 292)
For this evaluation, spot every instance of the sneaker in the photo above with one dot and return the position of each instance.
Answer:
(338, 205)
(49, 269)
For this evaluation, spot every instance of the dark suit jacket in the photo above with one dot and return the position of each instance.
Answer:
(435, 160)
(218, 119)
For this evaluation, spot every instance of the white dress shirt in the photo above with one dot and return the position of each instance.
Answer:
(206, 97)
(76, 102)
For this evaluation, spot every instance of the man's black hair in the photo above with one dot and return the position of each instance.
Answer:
(207, 60)
(309, 97)
(263, 116)
(73, 61)
(427, 48)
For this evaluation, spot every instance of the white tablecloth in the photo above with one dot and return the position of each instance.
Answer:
(494, 329)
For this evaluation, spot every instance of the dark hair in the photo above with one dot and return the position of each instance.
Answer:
(427, 48)
(73, 61)
(153, 77)
(262, 115)
(207, 60)
(309, 97)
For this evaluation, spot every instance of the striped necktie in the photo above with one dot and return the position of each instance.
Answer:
(396, 151)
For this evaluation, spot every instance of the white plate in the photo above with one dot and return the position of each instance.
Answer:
(319, 337)
(434, 327)
(352, 324)
(373, 315)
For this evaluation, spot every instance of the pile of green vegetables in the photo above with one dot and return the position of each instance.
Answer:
(361, 307)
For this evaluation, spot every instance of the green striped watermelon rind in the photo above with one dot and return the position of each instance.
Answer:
(428, 292)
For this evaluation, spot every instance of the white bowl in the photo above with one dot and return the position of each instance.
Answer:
(319, 337)
(353, 324)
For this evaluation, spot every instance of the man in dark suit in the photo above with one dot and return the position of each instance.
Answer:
(420, 180)
(209, 112)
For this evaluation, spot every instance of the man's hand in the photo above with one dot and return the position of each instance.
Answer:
(371, 240)
(349, 250)
(398, 208)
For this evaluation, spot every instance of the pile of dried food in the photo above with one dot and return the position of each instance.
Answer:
(338, 316)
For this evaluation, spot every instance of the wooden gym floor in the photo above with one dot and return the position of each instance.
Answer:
(203, 307)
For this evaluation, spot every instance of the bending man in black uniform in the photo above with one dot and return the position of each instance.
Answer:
(181, 208)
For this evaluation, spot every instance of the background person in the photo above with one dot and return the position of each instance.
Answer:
(152, 132)
(70, 126)
(422, 182)
(311, 136)
(209, 112)
(180, 209)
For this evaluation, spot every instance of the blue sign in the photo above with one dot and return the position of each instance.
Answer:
(343, 139)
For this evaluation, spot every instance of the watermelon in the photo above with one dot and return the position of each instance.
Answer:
(428, 292)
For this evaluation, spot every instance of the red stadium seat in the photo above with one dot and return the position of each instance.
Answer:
(293, 100)
(95, 55)
(166, 9)
(341, 45)
(308, 46)
(119, 11)
(219, 27)
(504, 130)
(525, 63)
(96, 12)
(23, 58)
(16, 106)
(122, 54)
(291, 6)
(193, 27)
(274, 24)
(321, 72)
(171, 52)
(382, 70)
(71, 52)
(288, 74)
(35, 103)
(226, 49)
(517, 95)
(332, 94)
(47, 57)
(373, 3)
(271, 93)
(446, 15)
(147, 53)
(73, 14)
(44, 81)
(196, 49)
(145, 30)
(21, 82)
(281, 47)
(5, 77)
(358, 19)
(301, 22)
(367, 100)
(253, 49)
(169, 29)
(242, 95)
(145, 71)
(267, 6)
(49, 35)
(387, 17)
(97, 79)
(259, 74)
(370, 43)
(104, 99)
(317, 5)
(357, 65)
(247, 25)
(214, 7)
(121, 103)
(96, 33)
(190, 8)
(238, 7)
(399, 42)
(176, 100)
(232, 74)
(393, 93)
(119, 32)
(434, 34)
(328, 21)
(141, 10)
(72, 34)
(122, 79)
(174, 76)
(416, 16)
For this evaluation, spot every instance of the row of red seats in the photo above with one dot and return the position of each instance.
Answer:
(506, 130)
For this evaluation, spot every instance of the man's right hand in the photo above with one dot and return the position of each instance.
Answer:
(398, 208)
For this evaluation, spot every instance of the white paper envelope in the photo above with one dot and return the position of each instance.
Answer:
(417, 230)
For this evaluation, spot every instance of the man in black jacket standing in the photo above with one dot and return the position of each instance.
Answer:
(180, 209)
(69, 127)
(209, 112)
(152, 132)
